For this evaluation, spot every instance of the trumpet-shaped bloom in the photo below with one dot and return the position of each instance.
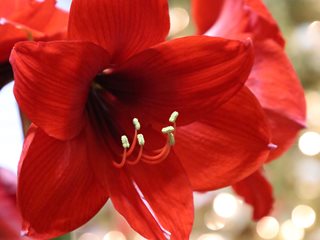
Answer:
(10, 220)
(120, 113)
(21, 20)
(272, 79)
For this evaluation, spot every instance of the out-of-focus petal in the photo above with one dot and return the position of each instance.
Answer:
(256, 191)
(156, 200)
(122, 27)
(58, 190)
(12, 32)
(225, 146)
(278, 89)
(43, 17)
(239, 17)
(9, 7)
(205, 13)
(52, 81)
(191, 75)
(10, 220)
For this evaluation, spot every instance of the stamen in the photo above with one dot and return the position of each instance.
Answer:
(173, 117)
(159, 154)
(138, 157)
(157, 158)
(137, 126)
(167, 130)
(171, 139)
(136, 123)
(140, 139)
(123, 160)
(125, 142)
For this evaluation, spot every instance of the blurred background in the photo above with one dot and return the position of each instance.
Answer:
(221, 215)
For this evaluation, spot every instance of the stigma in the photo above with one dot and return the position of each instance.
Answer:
(132, 157)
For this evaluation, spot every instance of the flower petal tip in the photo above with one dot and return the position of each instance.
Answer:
(272, 146)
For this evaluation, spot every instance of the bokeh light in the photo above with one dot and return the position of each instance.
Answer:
(309, 143)
(214, 222)
(303, 216)
(291, 232)
(225, 205)
(114, 235)
(179, 20)
(211, 236)
(268, 227)
(89, 236)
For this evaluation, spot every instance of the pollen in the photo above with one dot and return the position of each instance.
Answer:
(140, 139)
(173, 117)
(167, 130)
(125, 141)
(136, 123)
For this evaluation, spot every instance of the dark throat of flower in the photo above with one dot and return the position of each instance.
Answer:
(99, 108)
(6, 74)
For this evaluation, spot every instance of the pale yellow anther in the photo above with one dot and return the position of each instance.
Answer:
(167, 130)
(136, 123)
(173, 117)
(140, 139)
(171, 139)
(125, 141)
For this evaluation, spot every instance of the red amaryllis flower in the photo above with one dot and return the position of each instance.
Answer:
(272, 79)
(27, 19)
(100, 104)
(10, 220)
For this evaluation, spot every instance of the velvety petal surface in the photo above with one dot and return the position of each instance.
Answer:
(57, 188)
(156, 200)
(237, 17)
(43, 17)
(191, 75)
(256, 191)
(52, 81)
(122, 27)
(225, 146)
(10, 220)
(278, 89)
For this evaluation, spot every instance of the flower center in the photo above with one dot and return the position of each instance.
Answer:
(138, 141)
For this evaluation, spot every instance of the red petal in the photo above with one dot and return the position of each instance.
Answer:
(191, 75)
(278, 89)
(52, 81)
(205, 13)
(225, 146)
(243, 16)
(10, 220)
(57, 189)
(12, 33)
(155, 199)
(256, 191)
(122, 27)
(43, 17)
(8, 7)
(263, 24)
